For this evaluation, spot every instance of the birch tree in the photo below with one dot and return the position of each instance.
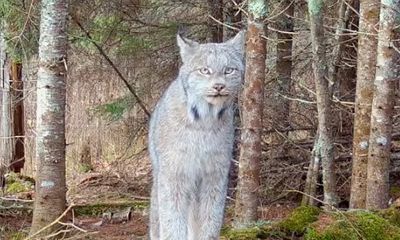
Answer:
(252, 112)
(387, 73)
(366, 61)
(323, 148)
(50, 119)
(6, 140)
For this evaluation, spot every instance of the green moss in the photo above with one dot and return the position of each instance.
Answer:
(340, 230)
(85, 167)
(113, 110)
(14, 177)
(16, 183)
(392, 215)
(375, 227)
(18, 236)
(354, 226)
(395, 192)
(242, 234)
(11, 177)
(17, 187)
(258, 230)
(298, 221)
(98, 209)
(334, 233)
(246, 233)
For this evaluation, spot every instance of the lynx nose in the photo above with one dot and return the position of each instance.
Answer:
(219, 86)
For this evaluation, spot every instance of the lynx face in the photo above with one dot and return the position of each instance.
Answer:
(213, 71)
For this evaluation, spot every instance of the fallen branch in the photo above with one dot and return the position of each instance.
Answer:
(16, 200)
(52, 223)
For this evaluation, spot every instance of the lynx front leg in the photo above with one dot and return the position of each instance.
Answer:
(173, 201)
(154, 215)
(211, 206)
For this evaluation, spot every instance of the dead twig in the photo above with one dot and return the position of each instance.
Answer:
(52, 223)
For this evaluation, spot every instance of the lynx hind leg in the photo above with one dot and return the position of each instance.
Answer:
(154, 214)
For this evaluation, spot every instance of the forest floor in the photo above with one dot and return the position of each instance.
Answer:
(95, 228)
(104, 209)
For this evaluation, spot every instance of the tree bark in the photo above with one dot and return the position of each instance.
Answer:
(339, 45)
(310, 188)
(6, 134)
(252, 114)
(324, 145)
(387, 73)
(367, 42)
(18, 116)
(50, 119)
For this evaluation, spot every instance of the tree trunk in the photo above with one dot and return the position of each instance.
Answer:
(310, 188)
(18, 116)
(324, 145)
(314, 166)
(50, 118)
(367, 42)
(216, 11)
(339, 45)
(29, 76)
(252, 110)
(6, 134)
(387, 73)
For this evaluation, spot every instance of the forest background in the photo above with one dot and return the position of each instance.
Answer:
(122, 55)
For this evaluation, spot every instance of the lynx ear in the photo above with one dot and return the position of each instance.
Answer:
(238, 41)
(186, 46)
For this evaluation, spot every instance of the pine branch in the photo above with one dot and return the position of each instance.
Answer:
(102, 52)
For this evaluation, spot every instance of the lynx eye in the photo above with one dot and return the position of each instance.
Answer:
(205, 71)
(229, 70)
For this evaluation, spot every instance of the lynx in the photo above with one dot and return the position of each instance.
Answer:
(191, 141)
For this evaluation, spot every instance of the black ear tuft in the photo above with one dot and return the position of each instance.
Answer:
(186, 46)
(238, 41)
(182, 30)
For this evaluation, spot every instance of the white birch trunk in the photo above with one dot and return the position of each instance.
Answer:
(6, 133)
(50, 115)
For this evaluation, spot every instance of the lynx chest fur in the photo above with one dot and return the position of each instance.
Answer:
(191, 139)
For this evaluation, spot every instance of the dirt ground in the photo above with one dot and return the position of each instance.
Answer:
(135, 229)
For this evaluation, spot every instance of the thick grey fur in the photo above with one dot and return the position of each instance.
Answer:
(191, 139)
